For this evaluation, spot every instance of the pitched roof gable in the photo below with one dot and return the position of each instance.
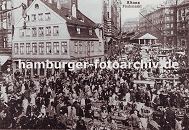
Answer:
(64, 12)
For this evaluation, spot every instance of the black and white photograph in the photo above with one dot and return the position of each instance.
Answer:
(94, 64)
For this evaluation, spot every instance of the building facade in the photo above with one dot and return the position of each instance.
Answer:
(159, 23)
(5, 24)
(183, 10)
(52, 31)
(111, 22)
(130, 26)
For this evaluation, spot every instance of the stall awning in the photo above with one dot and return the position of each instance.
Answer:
(180, 53)
(3, 59)
(148, 36)
(144, 82)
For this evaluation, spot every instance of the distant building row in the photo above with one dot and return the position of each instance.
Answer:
(162, 24)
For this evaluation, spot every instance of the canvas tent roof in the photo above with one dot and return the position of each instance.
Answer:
(148, 36)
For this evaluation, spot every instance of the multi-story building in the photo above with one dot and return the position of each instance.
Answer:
(111, 18)
(130, 26)
(55, 31)
(5, 34)
(5, 24)
(160, 23)
(183, 10)
(111, 21)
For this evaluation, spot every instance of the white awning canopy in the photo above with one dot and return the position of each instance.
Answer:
(180, 53)
(148, 36)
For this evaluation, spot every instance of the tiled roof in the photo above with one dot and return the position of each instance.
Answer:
(64, 12)
(84, 33)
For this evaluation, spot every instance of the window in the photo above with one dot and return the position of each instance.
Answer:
(92, 46)
(28, 48)
(48, 47)
(90, 32)
(64, 48)
(21, 48)
(41, 32)
(34, 32)
(28, 18)
(41, 48)
(76, 47)
(167, 18)
(21, 32)
(167, 25)
(108, 15)
(88, 48)
(40, 17)
(100, 33)
(55, 30)
(47, 16)
(36, 6)
(100, 46)
(28, 32)
(48, 31)
(78, 30)
(34, 48)
(80, 48)
(56, 47)
(16, 48)
(33, 17)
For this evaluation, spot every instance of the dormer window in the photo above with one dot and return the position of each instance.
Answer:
(78, 30)
(81, 19)
(90, 32)
(69, 17)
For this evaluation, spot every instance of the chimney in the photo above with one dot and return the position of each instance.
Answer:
(74, 10)
(50, 1)
(58, 4)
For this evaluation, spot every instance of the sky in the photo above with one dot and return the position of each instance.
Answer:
(91, 8)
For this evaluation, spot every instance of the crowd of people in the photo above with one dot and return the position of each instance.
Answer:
(91, 99)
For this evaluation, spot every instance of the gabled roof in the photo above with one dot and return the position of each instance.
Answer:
(64, 12)
(147, 36)
(144, 36)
